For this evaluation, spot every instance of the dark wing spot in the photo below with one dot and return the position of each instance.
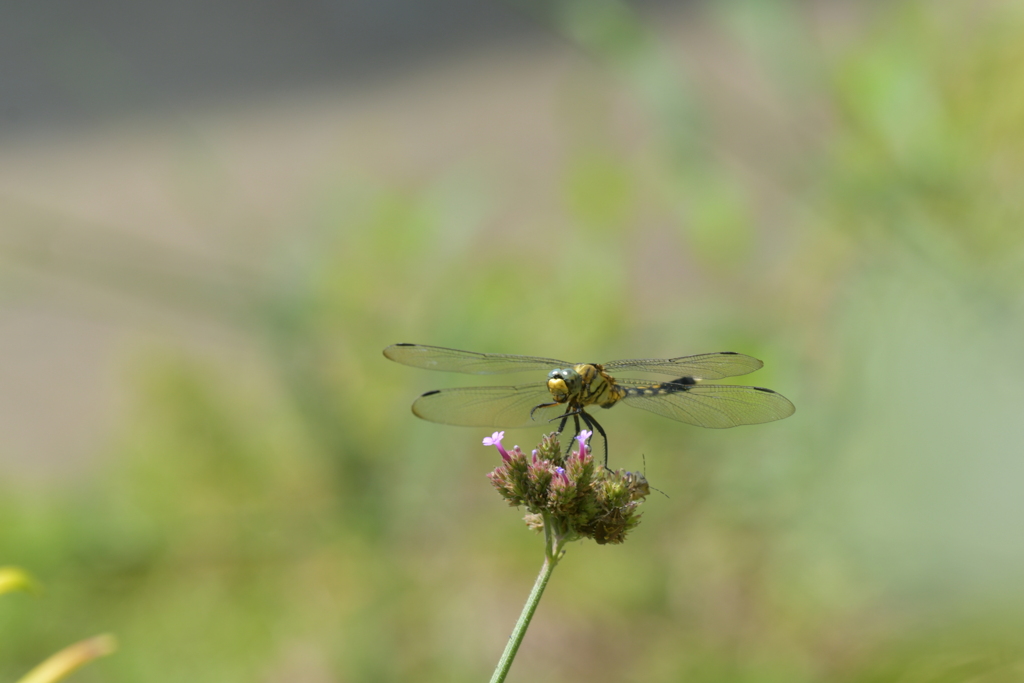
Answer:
(767, 391)
(729, 353)
(405, 345)
(438, 391)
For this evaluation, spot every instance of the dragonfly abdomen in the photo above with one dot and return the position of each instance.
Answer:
(673, 387)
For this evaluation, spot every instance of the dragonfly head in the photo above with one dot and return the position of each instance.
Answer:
(563, 383)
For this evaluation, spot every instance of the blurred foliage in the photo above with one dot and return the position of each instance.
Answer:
(855, 220)
(16, 579)
(62, 664)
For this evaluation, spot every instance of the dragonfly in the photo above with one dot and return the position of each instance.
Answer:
(572, 388)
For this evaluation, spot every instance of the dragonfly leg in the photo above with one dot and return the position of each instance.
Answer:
(545, 405)
(561, 425)
(589, 421)
(594, 424)
(564, 417)
(576, 421)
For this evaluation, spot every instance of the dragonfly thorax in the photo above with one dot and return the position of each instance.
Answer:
(583, 385)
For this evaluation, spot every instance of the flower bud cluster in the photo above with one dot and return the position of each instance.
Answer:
(570, 492)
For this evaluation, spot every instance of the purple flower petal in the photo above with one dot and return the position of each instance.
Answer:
(495, 440)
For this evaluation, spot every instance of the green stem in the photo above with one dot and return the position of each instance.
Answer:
(552, 554)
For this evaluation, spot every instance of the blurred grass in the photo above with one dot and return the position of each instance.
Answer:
(281, 516)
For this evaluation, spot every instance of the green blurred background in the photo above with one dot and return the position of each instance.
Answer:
(205, 453)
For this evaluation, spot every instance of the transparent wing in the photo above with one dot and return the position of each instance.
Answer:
(702, 366)
(715, 406)
(497, 407)
(453, 360)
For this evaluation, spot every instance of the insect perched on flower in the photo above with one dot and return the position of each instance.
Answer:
(571, 388)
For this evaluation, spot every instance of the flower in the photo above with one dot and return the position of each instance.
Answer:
(583, 436)
(495, 440)
(569, 496)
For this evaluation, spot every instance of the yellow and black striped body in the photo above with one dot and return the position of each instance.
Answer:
(584, 384)
(587, 384)
(662, 388)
